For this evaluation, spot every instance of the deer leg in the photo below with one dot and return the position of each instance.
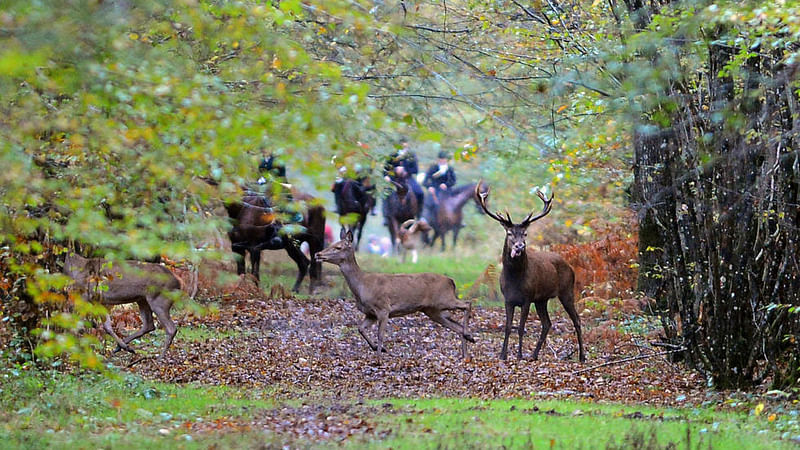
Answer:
(523, 317)
(362, 329)
(507, 331)
(108, 328)
(568, 302)
(443, 318)
(302, 263)
(464, 334)
(544, 317)
(381, 330)
(161, 306)
(147, 324)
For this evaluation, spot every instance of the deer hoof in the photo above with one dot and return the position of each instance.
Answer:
(126, 348)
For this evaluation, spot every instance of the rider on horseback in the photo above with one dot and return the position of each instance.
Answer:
(438, 179)
(407, 160)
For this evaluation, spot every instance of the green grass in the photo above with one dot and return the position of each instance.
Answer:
(472, 423)
(58, 410)
(203, 333)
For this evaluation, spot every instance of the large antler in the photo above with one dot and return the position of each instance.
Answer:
(481, 196)
(546, 210)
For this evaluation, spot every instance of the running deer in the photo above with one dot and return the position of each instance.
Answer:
(534, 277)
(151, 286)
(381, 295)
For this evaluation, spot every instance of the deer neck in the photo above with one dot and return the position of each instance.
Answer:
(516, 265)
(352, 274)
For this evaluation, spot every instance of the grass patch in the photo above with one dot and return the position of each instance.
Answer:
(58, 410)
(472, 423)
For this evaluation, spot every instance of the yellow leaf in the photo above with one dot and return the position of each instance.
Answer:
(759, 408)
(772, 417)
(568, 223)
(133, 36)
(235, 45)
(563, 107)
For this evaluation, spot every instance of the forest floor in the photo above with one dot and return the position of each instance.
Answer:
(308, 349)
(259, 367)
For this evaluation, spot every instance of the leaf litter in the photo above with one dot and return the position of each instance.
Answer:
(309, 355)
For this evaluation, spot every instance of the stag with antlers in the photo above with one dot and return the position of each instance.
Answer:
(531, 276)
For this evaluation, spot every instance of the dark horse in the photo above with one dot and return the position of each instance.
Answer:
(352, 197)
(256, 227)
(399, 206)
(445, 213)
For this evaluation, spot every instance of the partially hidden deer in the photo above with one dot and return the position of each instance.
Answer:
(151, 286)
(531, 276)
(381, 295)
(411, 236)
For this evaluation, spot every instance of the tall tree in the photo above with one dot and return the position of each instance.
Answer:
(717, 183)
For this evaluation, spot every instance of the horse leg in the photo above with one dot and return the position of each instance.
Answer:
(300, 259)
(361, 222)
(393, 231)
(255, 264)
(240, 264)
(455, 235)
(314, 246)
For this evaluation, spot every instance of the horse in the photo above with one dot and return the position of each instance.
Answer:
(352, 197)
(399, 206)
(256, 227)
(445, 213)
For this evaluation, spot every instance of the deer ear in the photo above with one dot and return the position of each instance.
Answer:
(342, 233)
(349, 236)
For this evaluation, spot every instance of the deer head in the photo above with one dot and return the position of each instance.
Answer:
(516, 234)
(338, 252)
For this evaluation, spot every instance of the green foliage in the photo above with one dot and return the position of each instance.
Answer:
(116, 116)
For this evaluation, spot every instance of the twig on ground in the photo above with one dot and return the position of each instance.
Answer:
(135, 361)
(624, 360)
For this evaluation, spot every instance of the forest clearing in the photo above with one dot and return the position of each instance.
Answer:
(399, 224)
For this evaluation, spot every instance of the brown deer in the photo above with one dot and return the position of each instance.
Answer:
(148, 285)
(534, 277)
(381, 295)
